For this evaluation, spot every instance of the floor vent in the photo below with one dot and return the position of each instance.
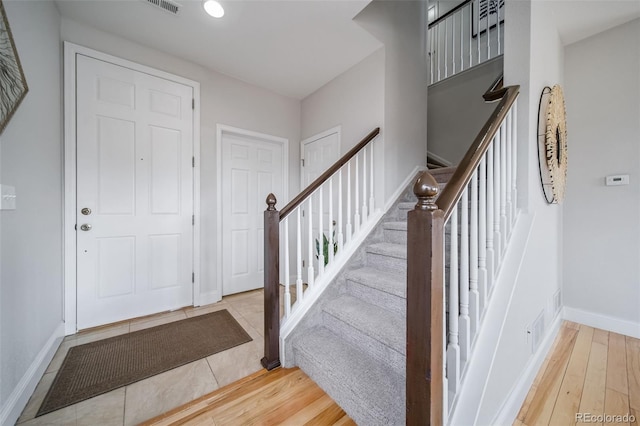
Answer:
(537, 332)
(166, 5)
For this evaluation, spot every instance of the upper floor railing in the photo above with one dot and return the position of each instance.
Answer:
(466, 36)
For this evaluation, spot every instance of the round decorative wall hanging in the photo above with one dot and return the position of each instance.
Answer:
(552, 144)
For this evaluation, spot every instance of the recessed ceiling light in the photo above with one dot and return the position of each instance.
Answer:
(213, 8)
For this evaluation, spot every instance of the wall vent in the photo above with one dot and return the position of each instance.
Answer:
(536, 332)
(167, 5)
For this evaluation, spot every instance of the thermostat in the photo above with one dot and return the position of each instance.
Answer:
(617, 180)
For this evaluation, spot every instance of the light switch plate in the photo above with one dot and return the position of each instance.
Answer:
(615, 180)
(7, 197)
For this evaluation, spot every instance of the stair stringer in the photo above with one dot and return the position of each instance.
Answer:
(306, 314)
(465, 408)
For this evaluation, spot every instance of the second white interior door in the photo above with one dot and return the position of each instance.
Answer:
(251, 169)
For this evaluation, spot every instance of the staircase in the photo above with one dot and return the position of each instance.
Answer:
(353, 343)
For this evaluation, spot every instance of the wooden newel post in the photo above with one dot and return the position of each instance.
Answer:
(271, 358)
(424, 306)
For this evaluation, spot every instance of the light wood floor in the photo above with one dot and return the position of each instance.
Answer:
(588, 371)
(280, 397)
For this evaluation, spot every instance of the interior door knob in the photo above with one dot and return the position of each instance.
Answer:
(85, 227)
(86, 211)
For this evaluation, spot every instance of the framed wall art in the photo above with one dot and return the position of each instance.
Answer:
(13, 84)
(486, 14)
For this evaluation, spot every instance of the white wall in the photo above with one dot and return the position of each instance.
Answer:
(31, 285)
(401, 27)
(224, 100)
(533, 59)
(602, 224)
(457, 111)
(353, 100)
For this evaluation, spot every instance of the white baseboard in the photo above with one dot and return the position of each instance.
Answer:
(512, 404)
(12, 408)
(440, 159)
(604, 322)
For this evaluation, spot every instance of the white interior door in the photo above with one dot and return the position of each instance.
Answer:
(318, 152)
(251, 169)
(134, 193)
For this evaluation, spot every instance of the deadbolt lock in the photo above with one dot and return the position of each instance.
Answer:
(86, 211)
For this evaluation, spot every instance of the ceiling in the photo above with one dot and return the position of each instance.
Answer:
(292, 47)
(579, 19)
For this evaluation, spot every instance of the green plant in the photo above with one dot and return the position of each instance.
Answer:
(325, 247)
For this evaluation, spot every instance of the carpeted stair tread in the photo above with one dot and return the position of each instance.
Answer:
(396, 226)
(366, 389)
(397, 251)
(387, 282)
(378, 324)
(407, 205)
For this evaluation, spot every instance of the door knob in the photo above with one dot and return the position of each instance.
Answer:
(86, 211)
(85, 227)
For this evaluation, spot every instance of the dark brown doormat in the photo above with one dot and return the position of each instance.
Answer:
(99, 367)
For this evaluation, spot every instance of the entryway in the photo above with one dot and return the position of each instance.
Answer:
(133, 181)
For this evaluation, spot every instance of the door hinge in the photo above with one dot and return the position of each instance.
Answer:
(303, 263)
(193, 277)
(193, 161)
(302, 159)
(193, 103)
(75, 226)
(193, 219)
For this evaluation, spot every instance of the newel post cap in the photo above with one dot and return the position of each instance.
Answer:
(271, 202)
(426, 189)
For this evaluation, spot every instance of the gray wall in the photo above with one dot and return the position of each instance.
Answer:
(602, 224)
(457, 112)
(31, 160)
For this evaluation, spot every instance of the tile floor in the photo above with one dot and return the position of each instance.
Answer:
(148, 398)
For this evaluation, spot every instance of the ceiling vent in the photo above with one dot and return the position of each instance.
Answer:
(166, 5)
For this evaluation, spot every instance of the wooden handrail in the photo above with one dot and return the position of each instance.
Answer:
(461, 177)
(449, 13)
(327, 174)
(496, 91)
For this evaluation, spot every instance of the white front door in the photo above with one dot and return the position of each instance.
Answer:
(134, 193)
(251, 169)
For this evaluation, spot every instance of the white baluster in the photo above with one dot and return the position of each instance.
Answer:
(497, 239)
(453, 349)
(470, 38)
(356, 215)
(287, 294)
(477, 6)
(498, 26)
(320, 243)
(330, 224)
(462, 39)
(365, 210)
(438, 47)
(310, 270)
(503, 186)
(465, 321)
(348, 227)
(340, 235)
(453, 43)
(430, 34)
(474, 295)
(482, 235)
(514, 165)
(491, 264)
(299, 294)
(372, 200)
(488, 30)
(509, 140)
(446, 48)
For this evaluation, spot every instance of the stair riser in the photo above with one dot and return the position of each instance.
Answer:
(374, 348)
(387, 263)
(379, 298)
(395, 236)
